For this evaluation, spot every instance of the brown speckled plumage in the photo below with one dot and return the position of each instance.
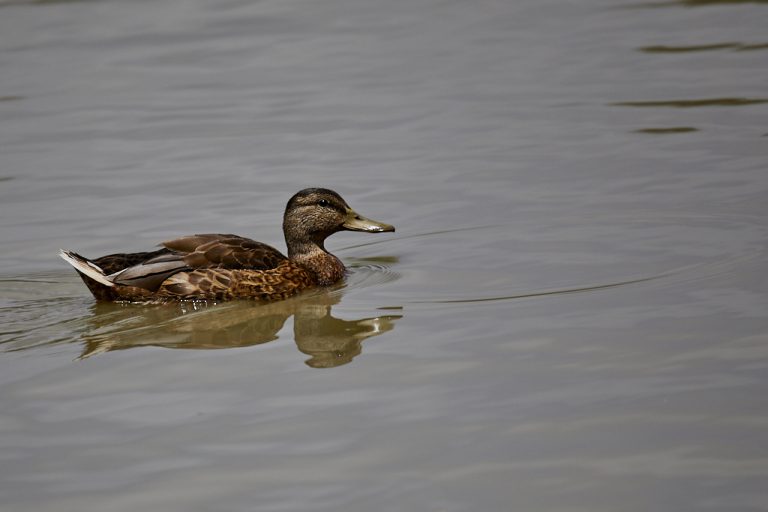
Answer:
(278, 283)
(225, 267)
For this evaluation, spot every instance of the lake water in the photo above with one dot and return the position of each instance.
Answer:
(571, 316)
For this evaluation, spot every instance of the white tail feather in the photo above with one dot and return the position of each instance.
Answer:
(86, 267)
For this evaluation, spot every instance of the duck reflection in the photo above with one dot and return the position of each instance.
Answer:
(330, 341)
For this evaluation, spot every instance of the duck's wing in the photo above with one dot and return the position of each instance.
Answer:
(113, 263)
(222, 251)
(148, 270)
(208, 251)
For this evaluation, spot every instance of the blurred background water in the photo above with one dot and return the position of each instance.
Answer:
(571, 315)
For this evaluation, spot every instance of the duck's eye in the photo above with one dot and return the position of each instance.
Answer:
(323, 202)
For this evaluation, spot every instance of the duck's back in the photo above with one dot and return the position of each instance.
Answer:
(224, 251)
(200, 251)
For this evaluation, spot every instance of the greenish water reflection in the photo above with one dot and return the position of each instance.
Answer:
(330, 341)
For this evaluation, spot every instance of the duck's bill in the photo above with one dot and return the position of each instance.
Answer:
(356, 222)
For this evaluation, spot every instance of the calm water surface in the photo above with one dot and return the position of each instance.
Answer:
(570, 317)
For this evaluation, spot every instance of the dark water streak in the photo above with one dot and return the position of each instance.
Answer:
(739, 47)
(707, 102)
(664, 131)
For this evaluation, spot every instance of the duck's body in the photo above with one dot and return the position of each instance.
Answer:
(224, 267)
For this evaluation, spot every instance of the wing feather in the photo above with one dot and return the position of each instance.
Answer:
(225, 251)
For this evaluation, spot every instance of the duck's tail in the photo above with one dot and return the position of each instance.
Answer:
(86, 267)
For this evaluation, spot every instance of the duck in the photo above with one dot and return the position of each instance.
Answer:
(220, 267)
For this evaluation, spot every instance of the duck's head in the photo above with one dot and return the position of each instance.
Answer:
(314, 214)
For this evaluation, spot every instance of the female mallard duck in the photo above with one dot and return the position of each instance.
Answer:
(223, 267)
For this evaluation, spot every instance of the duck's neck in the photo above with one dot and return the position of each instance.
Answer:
(312, 255)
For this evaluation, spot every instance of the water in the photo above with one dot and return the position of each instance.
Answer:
(571, 315)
